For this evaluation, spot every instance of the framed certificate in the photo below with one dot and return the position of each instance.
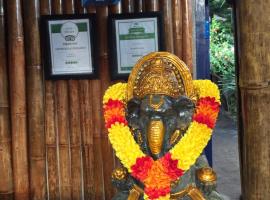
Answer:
(132, 37)
(68, 46)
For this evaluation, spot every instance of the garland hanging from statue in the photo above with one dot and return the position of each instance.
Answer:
(157, 175)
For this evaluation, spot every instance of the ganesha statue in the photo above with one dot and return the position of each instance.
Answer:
(159, 124)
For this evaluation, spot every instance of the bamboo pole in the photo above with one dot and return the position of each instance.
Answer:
(75, 140)
(51, 142)
(63, 129)
(253, 40)
(152, 5)
(102, 139)
(86, 118)
(6, 183)
(98, 156)
(79, 8)
(166, 8)
(116, 8)
(74, 121)
(91, 9)
(187, 33)
(177, 27)
(17, 99)
(139, 6)
(63, 139)
(35, 108)
(45, 7)
(128, 6)
(50, 127)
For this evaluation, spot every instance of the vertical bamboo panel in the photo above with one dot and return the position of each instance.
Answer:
(17, 99)
(256, 143)
(79, 8)
(139, 6)
(152, 5)
(116, 8)
(166, 6)
(91, 9)
(177, 27)
(97, 127)
(6, 183)
(187, 32)
(254, 75)
(74, 121)
(35, 108)
(45, 7)
(128, 6)
(51, 142)
(75, 140)
(107, 153)
(63, 139)
(50, 127)
(86, 118)
(62, 112)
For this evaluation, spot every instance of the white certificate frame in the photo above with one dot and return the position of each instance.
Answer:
(132, 37)
(69, 46)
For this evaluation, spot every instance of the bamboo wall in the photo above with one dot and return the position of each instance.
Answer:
(53, 144)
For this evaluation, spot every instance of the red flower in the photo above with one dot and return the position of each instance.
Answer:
(141, 167)
(114, 111)
(113, 103)
(207, 111)
(155, 193)
(170, 167)
(114, 119)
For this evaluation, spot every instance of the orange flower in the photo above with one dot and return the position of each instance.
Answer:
(157, 182)
(117, 111)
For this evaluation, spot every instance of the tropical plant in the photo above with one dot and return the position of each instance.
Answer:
(223, 60)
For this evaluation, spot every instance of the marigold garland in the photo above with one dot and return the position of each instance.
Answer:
(157, 175)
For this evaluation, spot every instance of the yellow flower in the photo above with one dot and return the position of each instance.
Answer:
(127, 150)
(206, 88)
(189, 148)
(116, 92)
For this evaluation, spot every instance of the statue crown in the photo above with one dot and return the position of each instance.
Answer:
(160, 73)
(158, 77)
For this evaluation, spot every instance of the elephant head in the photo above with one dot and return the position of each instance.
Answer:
(159, 121)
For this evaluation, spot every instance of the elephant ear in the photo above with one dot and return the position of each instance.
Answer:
(133, 113)
(184, 108)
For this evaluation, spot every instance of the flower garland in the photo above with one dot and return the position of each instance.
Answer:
(157, 175)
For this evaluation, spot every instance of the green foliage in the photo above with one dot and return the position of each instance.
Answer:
(221, 48)
(223, 60)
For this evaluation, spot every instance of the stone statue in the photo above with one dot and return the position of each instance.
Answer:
(160, 107)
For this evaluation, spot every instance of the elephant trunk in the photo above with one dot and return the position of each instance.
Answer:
(155, 136)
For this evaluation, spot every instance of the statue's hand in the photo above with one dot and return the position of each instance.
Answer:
(121, 179)
(206, 180)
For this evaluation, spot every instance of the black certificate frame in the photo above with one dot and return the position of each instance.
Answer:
(113, 50)
(46, 47)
